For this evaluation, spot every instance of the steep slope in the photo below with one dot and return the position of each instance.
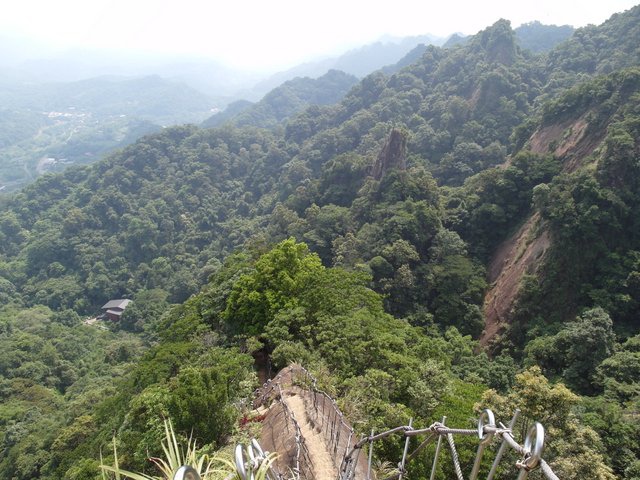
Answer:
(520, 255)
(157, 212)
(461, 106)
(391, 261)
(571, 127)
(152, 215)
(574, 129)
(160, 210)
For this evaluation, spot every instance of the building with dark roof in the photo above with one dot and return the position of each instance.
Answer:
(113, 308)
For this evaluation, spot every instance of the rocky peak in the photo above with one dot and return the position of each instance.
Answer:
(393, 154)
(499, 43)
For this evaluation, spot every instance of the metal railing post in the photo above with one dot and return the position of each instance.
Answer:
(437, 453)
(332, 424)
(370, 457)
(485, 439)
(404, 453)
(503, 447)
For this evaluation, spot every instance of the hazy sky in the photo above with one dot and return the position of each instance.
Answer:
(272, 33)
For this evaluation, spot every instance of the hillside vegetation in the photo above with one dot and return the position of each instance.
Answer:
(363, 239)
(288, 99)
(48, 127)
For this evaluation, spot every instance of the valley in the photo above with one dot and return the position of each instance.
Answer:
(455, 232)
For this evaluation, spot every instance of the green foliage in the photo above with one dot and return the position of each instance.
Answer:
(329, 316)
(538, 38)
(600, 49)
(198, 386)
(145, 311)
(289, 296)
(118, 236)
(52, 370)
(207, 467)
(614, 422)
(285, 101)
(573, 450)
(197, 398)
(201, 402)
(497, 373)
(288, 352)
(619, 372)
(280, 276)
(589, 215)
(576, 350)
(599, 96)
(386, 292)
(491, 204)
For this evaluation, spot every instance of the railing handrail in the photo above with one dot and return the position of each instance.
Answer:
(487, 429)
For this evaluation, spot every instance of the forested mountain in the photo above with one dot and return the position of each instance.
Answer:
(358, 62)
(538, 38)
(533, 36)
(151, 98)
(462, 231)
(47, 127)
(286, 100)
(600, 49)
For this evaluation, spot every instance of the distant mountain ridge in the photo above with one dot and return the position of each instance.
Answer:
(378, 274)
(150, 97)
(533, 36)
(50, 126)
(283, 102)
(539, 38)
(359, 61)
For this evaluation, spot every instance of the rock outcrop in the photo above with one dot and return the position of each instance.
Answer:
(393, 154)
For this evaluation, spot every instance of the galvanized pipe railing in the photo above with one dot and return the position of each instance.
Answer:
(331, 420)
(531, 451)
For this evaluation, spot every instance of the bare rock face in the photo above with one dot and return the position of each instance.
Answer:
(392, 155)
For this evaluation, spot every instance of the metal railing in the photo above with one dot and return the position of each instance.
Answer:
(186, 473)
(338, 435)
(530, 452)
(322, 410)
(248, 461)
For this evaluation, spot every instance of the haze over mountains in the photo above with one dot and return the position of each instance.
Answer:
(72, 107)
(26, 61)
(456, 231)
(66, 121)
